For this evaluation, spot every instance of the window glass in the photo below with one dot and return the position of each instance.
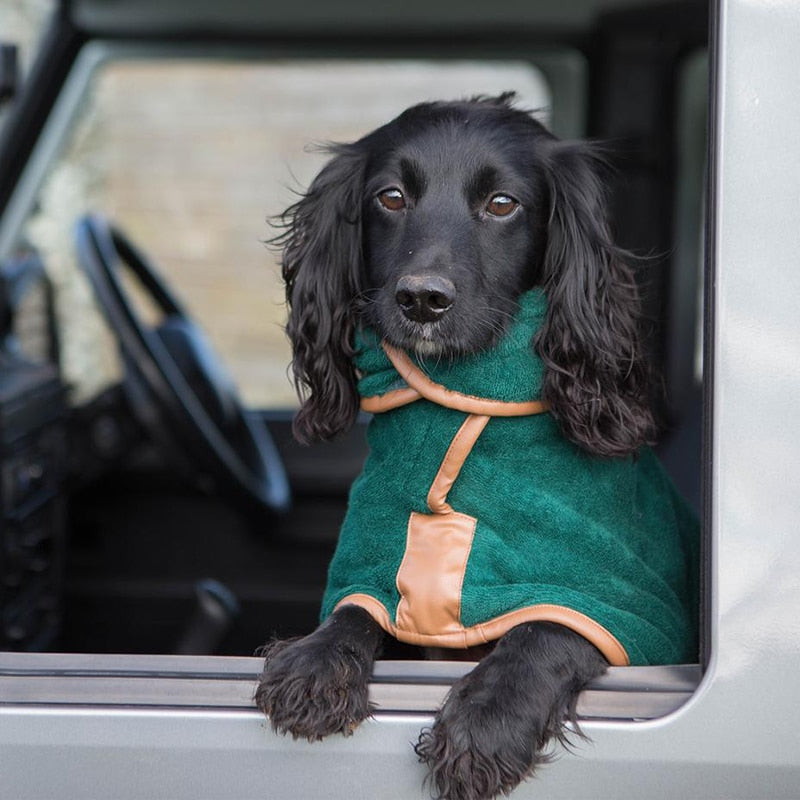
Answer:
(192, 159)
(684, 368)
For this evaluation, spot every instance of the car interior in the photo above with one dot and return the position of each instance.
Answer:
(153, 499)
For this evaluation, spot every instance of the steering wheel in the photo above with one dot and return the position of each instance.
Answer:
(177, 386)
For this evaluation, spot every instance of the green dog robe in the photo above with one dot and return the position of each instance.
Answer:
(474, 514)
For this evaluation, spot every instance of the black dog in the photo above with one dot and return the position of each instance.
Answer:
(428, 230)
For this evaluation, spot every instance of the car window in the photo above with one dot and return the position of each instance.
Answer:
(23, 24)
(681, 451)
(193, 159)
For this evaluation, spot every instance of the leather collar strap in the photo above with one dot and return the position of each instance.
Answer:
(420, 385)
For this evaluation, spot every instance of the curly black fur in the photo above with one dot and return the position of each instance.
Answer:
(317, 685)
(343, 257)
(498, 721)
(323, 273)
(596, 380)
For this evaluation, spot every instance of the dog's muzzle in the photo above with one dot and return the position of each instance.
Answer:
(424, 298)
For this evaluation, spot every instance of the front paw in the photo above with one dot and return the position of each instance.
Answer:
(311, 688)
(478, 747)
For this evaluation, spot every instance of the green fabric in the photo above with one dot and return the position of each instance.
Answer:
(609, 538)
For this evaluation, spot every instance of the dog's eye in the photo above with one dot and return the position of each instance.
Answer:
(501, 205)
(392, 199)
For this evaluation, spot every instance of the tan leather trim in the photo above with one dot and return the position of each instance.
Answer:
(431, 573)
(443, 396)
(454, 459)
(602, 639)
(379, 403)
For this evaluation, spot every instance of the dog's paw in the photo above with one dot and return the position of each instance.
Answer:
(311, 688)
(478, 749)
(463, 769)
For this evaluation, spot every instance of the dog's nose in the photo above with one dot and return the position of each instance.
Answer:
(425, 298)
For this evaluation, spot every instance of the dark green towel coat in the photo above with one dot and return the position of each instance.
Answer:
(604, 546)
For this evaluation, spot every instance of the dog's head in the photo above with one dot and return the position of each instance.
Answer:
(429, 228)
(455, 203)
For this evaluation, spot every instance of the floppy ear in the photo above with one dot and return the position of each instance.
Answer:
(322, 268)
(596, 378)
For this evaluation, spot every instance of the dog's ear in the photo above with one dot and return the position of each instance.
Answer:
(596, 379)
(322, 270)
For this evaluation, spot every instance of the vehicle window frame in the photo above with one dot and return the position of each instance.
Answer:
(226, 682)
(217, 683)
